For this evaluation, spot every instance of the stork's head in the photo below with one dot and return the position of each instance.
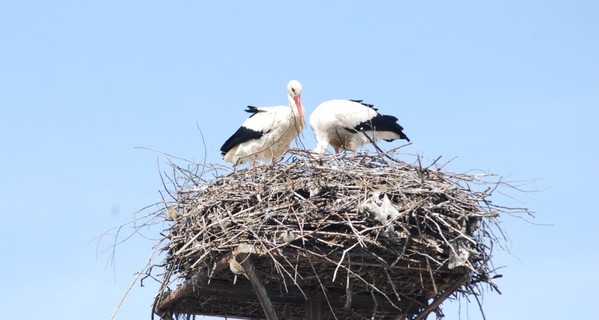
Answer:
(294, 89)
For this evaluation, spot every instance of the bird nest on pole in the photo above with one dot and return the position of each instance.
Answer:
(363, 237)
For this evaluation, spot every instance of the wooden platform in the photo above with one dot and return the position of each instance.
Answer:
(212, 293)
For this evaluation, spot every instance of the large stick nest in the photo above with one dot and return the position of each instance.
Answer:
(365, 237)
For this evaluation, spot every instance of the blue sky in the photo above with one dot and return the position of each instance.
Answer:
(510, 87)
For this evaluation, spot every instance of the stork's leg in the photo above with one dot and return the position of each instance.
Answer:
(275, 160)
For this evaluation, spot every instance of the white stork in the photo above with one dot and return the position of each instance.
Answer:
(268, 132)
(350, 124)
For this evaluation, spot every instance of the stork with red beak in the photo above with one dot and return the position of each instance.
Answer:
(267, 133)
(350, 124)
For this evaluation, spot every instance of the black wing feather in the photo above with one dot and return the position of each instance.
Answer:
(381, 123)
(371, 106)
(253, 110)
(240, 136)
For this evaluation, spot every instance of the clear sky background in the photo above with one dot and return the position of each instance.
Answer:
(510, 87)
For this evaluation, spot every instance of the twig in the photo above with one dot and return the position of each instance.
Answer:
(146, 265)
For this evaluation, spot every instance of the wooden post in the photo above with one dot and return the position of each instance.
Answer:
(265, 302)
(286, 313)
(440, 298)
(314, 306)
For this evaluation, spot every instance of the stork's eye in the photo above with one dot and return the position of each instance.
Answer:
(293, 90)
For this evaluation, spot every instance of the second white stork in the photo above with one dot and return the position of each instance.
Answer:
(350, 124)
(268, 132)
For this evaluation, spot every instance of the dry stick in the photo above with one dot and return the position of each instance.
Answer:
(205, 149)
(462, 235)
(358, 235)
(480, 306)
(322, 287)
(118, 307)
(215, 167)
(341, 260)
(348, 288)
(374, 299)
(430, 272)
(403, 250)
(392, 284)
(279, 265)
(293, 278)
(379, 149)
(164, 183)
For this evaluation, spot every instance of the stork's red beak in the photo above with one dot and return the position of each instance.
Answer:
(298, 103)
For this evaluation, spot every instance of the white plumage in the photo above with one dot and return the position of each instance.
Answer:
(268, 132)
(350, 124)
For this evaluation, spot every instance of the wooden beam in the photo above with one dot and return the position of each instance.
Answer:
(250, 270)
(286, 314)
(243, 292)
(314, 307)
(187, 297)
(187, 288)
